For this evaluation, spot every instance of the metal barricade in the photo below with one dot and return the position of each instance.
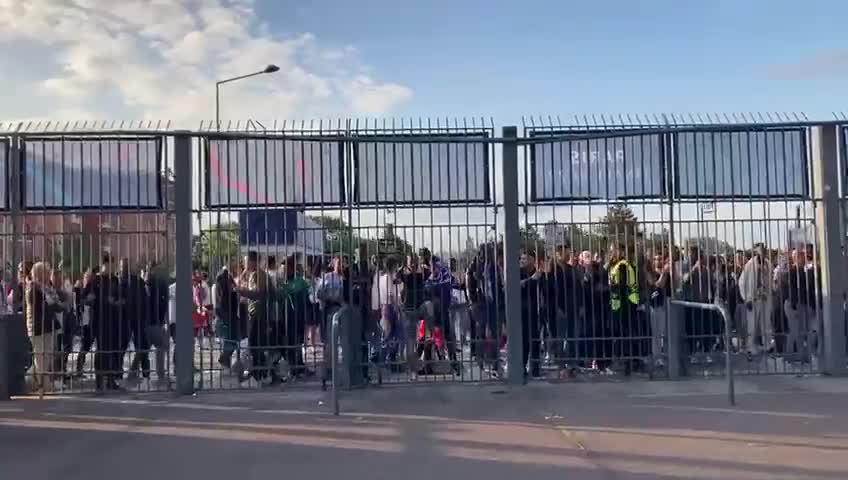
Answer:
(459, 260)
(90, 233)
(702, 205)
(728, 346)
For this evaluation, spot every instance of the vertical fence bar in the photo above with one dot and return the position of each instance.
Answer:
(826, 174)
(15, 179)
(184, 348)
(512, 250)
(8, 365)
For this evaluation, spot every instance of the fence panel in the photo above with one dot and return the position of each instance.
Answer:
(711, 211)
(405, 222)
(377, 208)
(91, 255)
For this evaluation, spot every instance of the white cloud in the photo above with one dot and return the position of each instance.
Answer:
(161, 58)
(823, 64)
(370, 96)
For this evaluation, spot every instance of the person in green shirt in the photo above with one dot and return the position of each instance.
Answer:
(292, 295)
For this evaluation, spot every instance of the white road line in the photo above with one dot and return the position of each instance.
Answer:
(705, 394)
(767, 413)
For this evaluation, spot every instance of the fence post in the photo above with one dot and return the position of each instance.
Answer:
(512, 250)
(184, 349)
(827, 170)
(674, 339)
(15, 180)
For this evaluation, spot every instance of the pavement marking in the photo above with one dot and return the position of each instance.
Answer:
(767, 413)
(706, 394)
(11, 410)
(116, 401)
(193, 406)
(291, 412)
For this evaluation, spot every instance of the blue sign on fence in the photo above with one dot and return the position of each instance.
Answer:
(273, 172)
(614, 168)
(6, 172)
(100, 173)
(742, 164)
(422, 173)
(268, 227)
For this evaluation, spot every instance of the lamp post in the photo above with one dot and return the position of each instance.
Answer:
(269, 69)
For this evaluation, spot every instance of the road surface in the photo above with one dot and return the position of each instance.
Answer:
(782, 428)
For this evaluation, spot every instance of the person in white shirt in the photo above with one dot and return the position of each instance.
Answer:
(755, 287)
(388, 297)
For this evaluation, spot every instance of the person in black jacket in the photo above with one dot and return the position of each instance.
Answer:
(799, 294)
(102, 295)
(596, 311)
(153, 318)
(84, 312)
(133, 321)
(358, 293)
(531, 350)
(67, 319)
(228, 325)
(477, 307)
(559, 286)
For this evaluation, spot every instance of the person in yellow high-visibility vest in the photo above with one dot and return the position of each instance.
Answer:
(624, 298)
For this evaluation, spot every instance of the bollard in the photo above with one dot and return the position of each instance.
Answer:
(675, 340)
(13, 353)
(334, 363)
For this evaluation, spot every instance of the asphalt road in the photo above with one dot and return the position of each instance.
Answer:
(781, 428)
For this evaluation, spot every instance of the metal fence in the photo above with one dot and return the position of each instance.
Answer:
(450, 241)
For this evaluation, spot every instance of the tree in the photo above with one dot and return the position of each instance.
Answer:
(711, 246)
(619, 224)
(530, 239)
(216, 246)
(573, 235)
(76, 253)
(339, 238)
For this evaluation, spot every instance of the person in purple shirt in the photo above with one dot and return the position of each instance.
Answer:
(438, 286)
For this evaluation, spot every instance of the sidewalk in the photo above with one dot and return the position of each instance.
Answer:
(781, 428)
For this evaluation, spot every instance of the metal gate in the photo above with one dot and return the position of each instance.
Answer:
(450, 242)
(88, 247)
(704, 210)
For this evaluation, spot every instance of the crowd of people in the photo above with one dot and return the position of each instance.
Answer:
(605, 311)
(106, 308)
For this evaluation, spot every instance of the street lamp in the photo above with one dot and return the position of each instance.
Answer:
(269, 69)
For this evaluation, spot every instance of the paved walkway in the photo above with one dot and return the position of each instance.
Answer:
(782, 428)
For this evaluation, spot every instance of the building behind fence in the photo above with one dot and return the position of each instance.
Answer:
(379, 194)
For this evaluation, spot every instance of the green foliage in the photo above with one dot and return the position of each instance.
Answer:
(75, 253)
(341, 239)
(620, 224)
(216, 246)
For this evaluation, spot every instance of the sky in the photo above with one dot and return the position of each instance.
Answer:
(159, 59)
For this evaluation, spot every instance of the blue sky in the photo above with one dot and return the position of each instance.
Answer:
(509, 59)
(159, 59)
